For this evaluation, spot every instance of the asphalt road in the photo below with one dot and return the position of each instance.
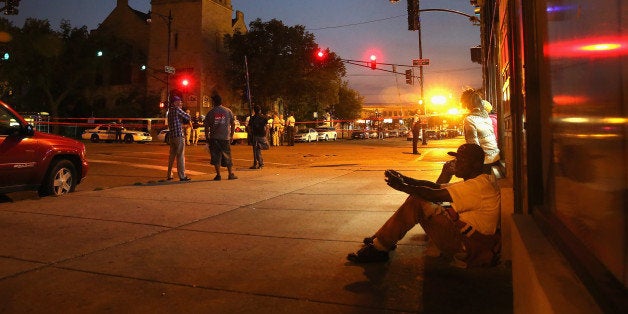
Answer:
(117, 164)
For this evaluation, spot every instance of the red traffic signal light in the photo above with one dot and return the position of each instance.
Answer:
(373, 62)
(184, 82)
(321, 54)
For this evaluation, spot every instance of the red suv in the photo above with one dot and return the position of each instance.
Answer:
(32, 160)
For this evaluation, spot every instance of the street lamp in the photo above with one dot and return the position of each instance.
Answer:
(168, 69)
(414, 23)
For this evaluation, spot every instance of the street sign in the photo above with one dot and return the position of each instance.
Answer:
(168, 69)
(420, 62)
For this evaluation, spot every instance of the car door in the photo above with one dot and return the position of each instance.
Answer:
(17, 153)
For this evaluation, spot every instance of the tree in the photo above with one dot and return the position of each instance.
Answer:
(48, 66)
(282, 65)
(349, 103)
(60, 72)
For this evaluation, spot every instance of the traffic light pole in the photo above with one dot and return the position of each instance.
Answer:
(168, 19)
(420, 48)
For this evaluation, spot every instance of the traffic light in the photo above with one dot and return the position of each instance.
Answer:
(476, 54)
(6, 56)
(413, 15)
(409, 77)
(373, 62)
(184, 83)
(321, 54)
(143, 67)
(99, 53)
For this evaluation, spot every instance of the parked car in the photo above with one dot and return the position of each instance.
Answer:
(409, 136)
(327, 133)
(107, 132)
(240, 135)
(403, 130)
(33, 160)
(359, 134)
(392, 133)
(306, 135)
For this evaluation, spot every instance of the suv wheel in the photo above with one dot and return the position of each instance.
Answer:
(61, 179)
(94, 138)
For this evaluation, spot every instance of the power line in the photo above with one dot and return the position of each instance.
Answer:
(355, 24)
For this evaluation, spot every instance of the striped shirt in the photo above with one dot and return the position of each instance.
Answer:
(176, 118)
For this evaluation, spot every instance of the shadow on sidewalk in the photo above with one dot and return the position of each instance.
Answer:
(476, 290)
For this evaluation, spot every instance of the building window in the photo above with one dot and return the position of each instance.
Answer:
(588, 166)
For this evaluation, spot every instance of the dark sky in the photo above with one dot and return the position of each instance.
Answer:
(354, 29)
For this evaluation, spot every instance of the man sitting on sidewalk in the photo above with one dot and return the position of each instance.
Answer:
(467, 230)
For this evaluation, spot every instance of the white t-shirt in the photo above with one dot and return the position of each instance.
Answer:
(477, 201)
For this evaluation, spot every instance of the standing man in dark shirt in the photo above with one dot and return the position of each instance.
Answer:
(177, 118)
(219, 128)
(416, 132)
(258, 128)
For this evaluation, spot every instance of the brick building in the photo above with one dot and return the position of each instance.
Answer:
(195, 30)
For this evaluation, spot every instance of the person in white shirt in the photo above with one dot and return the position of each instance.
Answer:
(467, 231)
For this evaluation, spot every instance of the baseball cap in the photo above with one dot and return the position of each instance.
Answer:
(470, 151)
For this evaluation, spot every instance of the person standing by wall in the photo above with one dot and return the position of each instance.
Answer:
(177, 118)
(219, 128)
(258, 128)
(290, 125)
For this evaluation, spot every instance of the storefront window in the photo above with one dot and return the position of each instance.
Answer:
(587, 58)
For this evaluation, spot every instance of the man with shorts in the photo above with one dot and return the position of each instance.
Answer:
(219, 128)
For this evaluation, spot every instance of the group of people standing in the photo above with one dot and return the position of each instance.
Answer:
(282, 130)
(219, 128)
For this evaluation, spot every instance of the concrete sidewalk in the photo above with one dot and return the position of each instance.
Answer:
(275, 240)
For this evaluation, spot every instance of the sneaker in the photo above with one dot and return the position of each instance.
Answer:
(253, 167)
(232, 176)
(185, 179)
(459, 261)
(368, 254)
(432, 250)
(369, 240)
(217, 178)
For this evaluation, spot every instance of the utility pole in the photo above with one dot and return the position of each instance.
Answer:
(418, 15)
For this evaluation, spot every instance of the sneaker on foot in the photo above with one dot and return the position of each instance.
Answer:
(232, 176)
(368, 254)
(432, 250)
(217, 178)
(369, 240)
(459, 261)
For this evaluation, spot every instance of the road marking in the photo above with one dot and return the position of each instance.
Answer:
(131, 164)
(423, 154)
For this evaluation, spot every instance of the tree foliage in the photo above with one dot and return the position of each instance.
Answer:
(58, 70)
(282, 66)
